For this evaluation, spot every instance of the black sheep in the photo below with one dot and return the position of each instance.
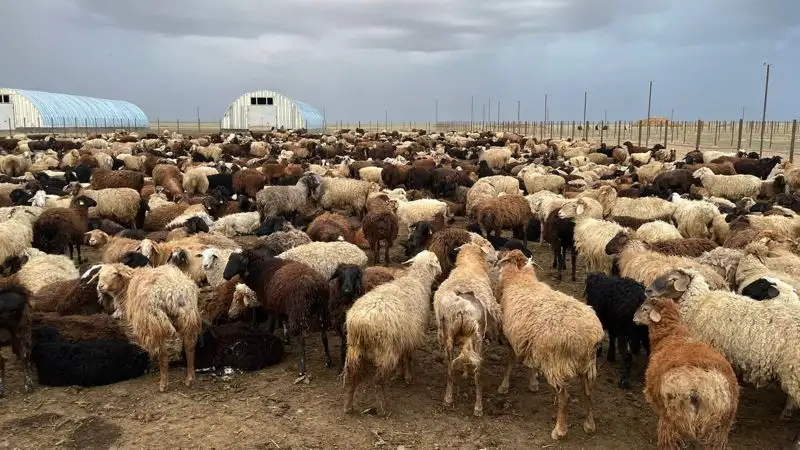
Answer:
(91, 362)
(271, 225)
(135, 260)
(756, 167)
(224, 180)
(761, 289)
(615, 300)
(15, 329)
(80, 173)
(345, 288)
(560, 234)
(419, 238)
(237, 345)
(292, 291)
(196, 225)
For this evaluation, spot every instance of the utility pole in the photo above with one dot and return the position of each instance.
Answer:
(649, 103)
(519, 103)
(764, 111)
(489, 116)
(585, 126)
(471, 113)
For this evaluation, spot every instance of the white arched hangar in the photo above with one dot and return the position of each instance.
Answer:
(260, 110)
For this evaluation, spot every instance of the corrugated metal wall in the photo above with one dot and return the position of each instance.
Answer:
(35, 109)
(291, 114)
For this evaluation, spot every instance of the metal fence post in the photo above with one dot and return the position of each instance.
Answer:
(771, 131)
(741, 128)
(791, 140)
(699, 134)
(158, 125)
(178, 122)
(750, 140)
(666, 132)
(684, 132)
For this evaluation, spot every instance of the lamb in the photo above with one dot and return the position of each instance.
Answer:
(346, 193)
(156, 303)
(58, 228)
(273, 201)
(329, 227)
(238, 345)
(371, 174)
(657, 231)
(324, 257)
(496, 157)
(505, 212)
(536, 182)
(84, 351)
(387, 324)
(170, 178)
(690, 385)
(732, 187)
(37, 269)
(68, 297)
(465, 307)
(644, 266)
(105, 179)
(646, 208)
(615, 300)
(290, 290)
(552, 332)
(15, 322)
(236, 224)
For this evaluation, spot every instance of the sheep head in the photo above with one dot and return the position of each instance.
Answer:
(651, 310)
(672, 284)
(348, 277)
(425, 261)
(238, 264)
(244, 298)
(95, 238)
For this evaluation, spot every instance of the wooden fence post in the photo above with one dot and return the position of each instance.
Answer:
(666, 132)
(791, 141)
(699, 134)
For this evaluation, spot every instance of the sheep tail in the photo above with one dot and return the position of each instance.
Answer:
(698, 400)
(468, 332)
(352, 364)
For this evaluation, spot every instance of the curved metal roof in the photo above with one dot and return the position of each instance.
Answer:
(60, 109)
(314, 119)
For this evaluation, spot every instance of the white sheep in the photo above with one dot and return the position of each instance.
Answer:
(694, 218)
(214, 262)
(371, 174)
(729, 186)
(658, 231)
(237, 224)
(387, 324)
(346, 193)
(426, 209)
(496, 157)
(325, 257)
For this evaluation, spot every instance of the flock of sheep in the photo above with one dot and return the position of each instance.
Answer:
(209, 244)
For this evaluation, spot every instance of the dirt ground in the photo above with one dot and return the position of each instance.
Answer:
(265, 410)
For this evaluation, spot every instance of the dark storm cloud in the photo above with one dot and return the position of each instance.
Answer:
(359, 59)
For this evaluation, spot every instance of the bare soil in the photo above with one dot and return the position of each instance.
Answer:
(265, 410)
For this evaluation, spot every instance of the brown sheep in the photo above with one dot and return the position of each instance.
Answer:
(67, 297)
(505, 212)
(104, 178)
(329, 227)
(114, 247)
(691, 247)
(58, 228)
(248, 182)
(691, 386)
(380, 225)
(170, 178)
(158, 218)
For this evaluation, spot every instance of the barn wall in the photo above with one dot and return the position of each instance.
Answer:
(290, 113)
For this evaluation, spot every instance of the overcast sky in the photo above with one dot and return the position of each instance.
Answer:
(359, 58)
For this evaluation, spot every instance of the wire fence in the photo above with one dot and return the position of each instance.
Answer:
(779, 137)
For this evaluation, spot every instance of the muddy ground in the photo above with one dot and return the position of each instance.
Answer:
(265, 410)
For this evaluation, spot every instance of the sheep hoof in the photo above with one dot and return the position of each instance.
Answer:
(189, 382)
(503, 389)
(27, 387)
(624, 384)
(328, 363)
(588, 426)
(785, 415)
(478, 412)
(162, 388)
(2, 391)
(303, 378)
(557, 434)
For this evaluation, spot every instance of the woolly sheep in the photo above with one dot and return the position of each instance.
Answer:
(496, 157)
(237, 224)
(551, 332)
(464, 307)
(157, 304)
(409, 213)
(758, 338)
(657, 231)
(214, 262)
(535, 182)
(41, 269)
(346, 193)
(273, 201)
(729, 186)
(694, 218)
(324, 257)
(387, 324)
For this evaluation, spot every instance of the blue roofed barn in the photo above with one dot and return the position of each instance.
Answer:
(30, 110)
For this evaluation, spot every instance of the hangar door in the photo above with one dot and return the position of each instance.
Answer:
(262, 113)
(6, 113)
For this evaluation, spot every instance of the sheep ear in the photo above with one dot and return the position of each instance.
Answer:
(682, 283)
(579, 208)
(655, 316)
(773, 292)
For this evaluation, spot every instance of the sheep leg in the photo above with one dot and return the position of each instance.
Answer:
(533, 382)
(560, 429)
(478, 409)
(611, 356)
(189, 343)
(79, 253)
(555, 256)
(325, 347)
(386, 253)
(2, 376)
(627, 361)
(380, 392)
(342, 346)
(163, 367)
(19, 347)
(285, 333)
(786, 414)
(448, 393)
(302, 343)
(70, 251)
(588, 424)
(374, 249)
(408, 362)
(512, 360)
(574, 253)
